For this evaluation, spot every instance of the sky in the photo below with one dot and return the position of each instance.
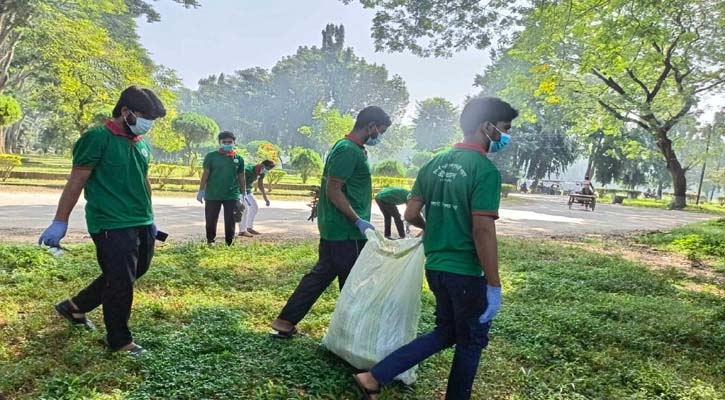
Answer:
(229, 35)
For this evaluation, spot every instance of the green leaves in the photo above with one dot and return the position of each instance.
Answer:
(10, 111)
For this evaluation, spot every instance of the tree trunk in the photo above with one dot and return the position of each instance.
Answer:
(2, 140)
(679, 181)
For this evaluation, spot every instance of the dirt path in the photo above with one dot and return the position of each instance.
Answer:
(24, 214)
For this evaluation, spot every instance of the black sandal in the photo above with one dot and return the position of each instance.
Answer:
(284, 335)
(365, 391)
(65, 310)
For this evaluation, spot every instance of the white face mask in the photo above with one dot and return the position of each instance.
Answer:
(373, 141)
(142, 125)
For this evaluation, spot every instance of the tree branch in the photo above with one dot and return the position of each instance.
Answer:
(677, 117)
(639, 82)
(609, 82)
(706, 88)
(668, 67)
(621, 117)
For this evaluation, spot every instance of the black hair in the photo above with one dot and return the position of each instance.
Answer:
(482, 109)
(142, 100)
(226, 135)
(372, 114)
(269, 164)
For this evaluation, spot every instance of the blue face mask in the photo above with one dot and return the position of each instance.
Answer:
(264, 171)
(141, 127)
(226, 147)
(498, 146)
(372, 141)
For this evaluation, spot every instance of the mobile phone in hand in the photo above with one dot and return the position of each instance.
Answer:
(161, 236)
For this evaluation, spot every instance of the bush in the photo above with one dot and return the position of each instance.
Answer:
(162, 172)
(420, 158)
(390, 168)
(386, 181)
(307, 162)
(506, 189)
(260, 150)
(10, 111)
(412, 172)
(8, 162)
(273, 177)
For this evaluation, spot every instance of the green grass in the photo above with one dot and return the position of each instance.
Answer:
(574, 325)
(700, 241)
(709, 208)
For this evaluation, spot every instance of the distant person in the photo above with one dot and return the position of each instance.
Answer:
(587, 187)
(388, 200)
(110, 165)
(222, 185)
(461, 191)
(343, 216)
(252, 174)
(524, 188)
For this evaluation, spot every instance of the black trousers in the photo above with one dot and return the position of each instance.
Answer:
(336, 258)
(211, 210)
(390, 211)
(124, 255)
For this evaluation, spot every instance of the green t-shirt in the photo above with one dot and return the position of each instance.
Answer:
(455, 186)
(116, 193)
(393, 195)
(250, 174)
(223, 170)
(347, 161)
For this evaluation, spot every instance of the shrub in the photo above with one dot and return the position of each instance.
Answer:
(10, 111)
(307, 162)
(162, 173)
(8, 162)
(420, 158)
(506, 189)
(412, 172)
(390, 168)
(386, 181)
(273, 177)
(260, 150)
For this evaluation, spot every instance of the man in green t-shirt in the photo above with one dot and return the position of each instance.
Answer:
(254, 173)
(110, 164)
(460, 190)
(388, 200)
(343, 216)
(222, 184)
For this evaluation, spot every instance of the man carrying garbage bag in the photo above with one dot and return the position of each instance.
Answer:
(343, 216)
(460, 190)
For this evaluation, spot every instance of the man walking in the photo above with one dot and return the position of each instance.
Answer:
(388, 200)
(254, 173)
(460, 190)
(110, 164)
(343, 216)
(222, 184)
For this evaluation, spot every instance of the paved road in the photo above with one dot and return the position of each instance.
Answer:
(23, 216)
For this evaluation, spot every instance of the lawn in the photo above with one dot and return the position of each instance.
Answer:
(703, 241)
(574, 325)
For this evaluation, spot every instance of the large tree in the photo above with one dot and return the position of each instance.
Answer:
(435, 124)
(273, 104)
(645, 63)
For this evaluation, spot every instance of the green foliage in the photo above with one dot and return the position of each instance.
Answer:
(704, 240)
(506, 189)
(306, 162)
(329, 125)
(392, 168)
(274, 176)
(196, 130)
(8, 162)
(279, 101)
(10, 111)
(419, 158)
(435, 124)
(576, 324)
(162, 172)
(412, 172)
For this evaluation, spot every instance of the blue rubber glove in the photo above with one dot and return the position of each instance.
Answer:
(246, 200)
(266, 201)
(154, 230)
(200, 196)
(493, 297)
(55, 232)
(363, 225)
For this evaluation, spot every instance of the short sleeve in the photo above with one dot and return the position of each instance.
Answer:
(89, 149)
(487, 194)
(342, 162)
(207, 161)
(417, 192)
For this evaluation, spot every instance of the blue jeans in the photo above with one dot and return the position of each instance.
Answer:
(460, 302)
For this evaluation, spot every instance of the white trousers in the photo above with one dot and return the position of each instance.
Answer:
(250, 212)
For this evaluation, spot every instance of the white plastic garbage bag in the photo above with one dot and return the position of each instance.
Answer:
(379, 306)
